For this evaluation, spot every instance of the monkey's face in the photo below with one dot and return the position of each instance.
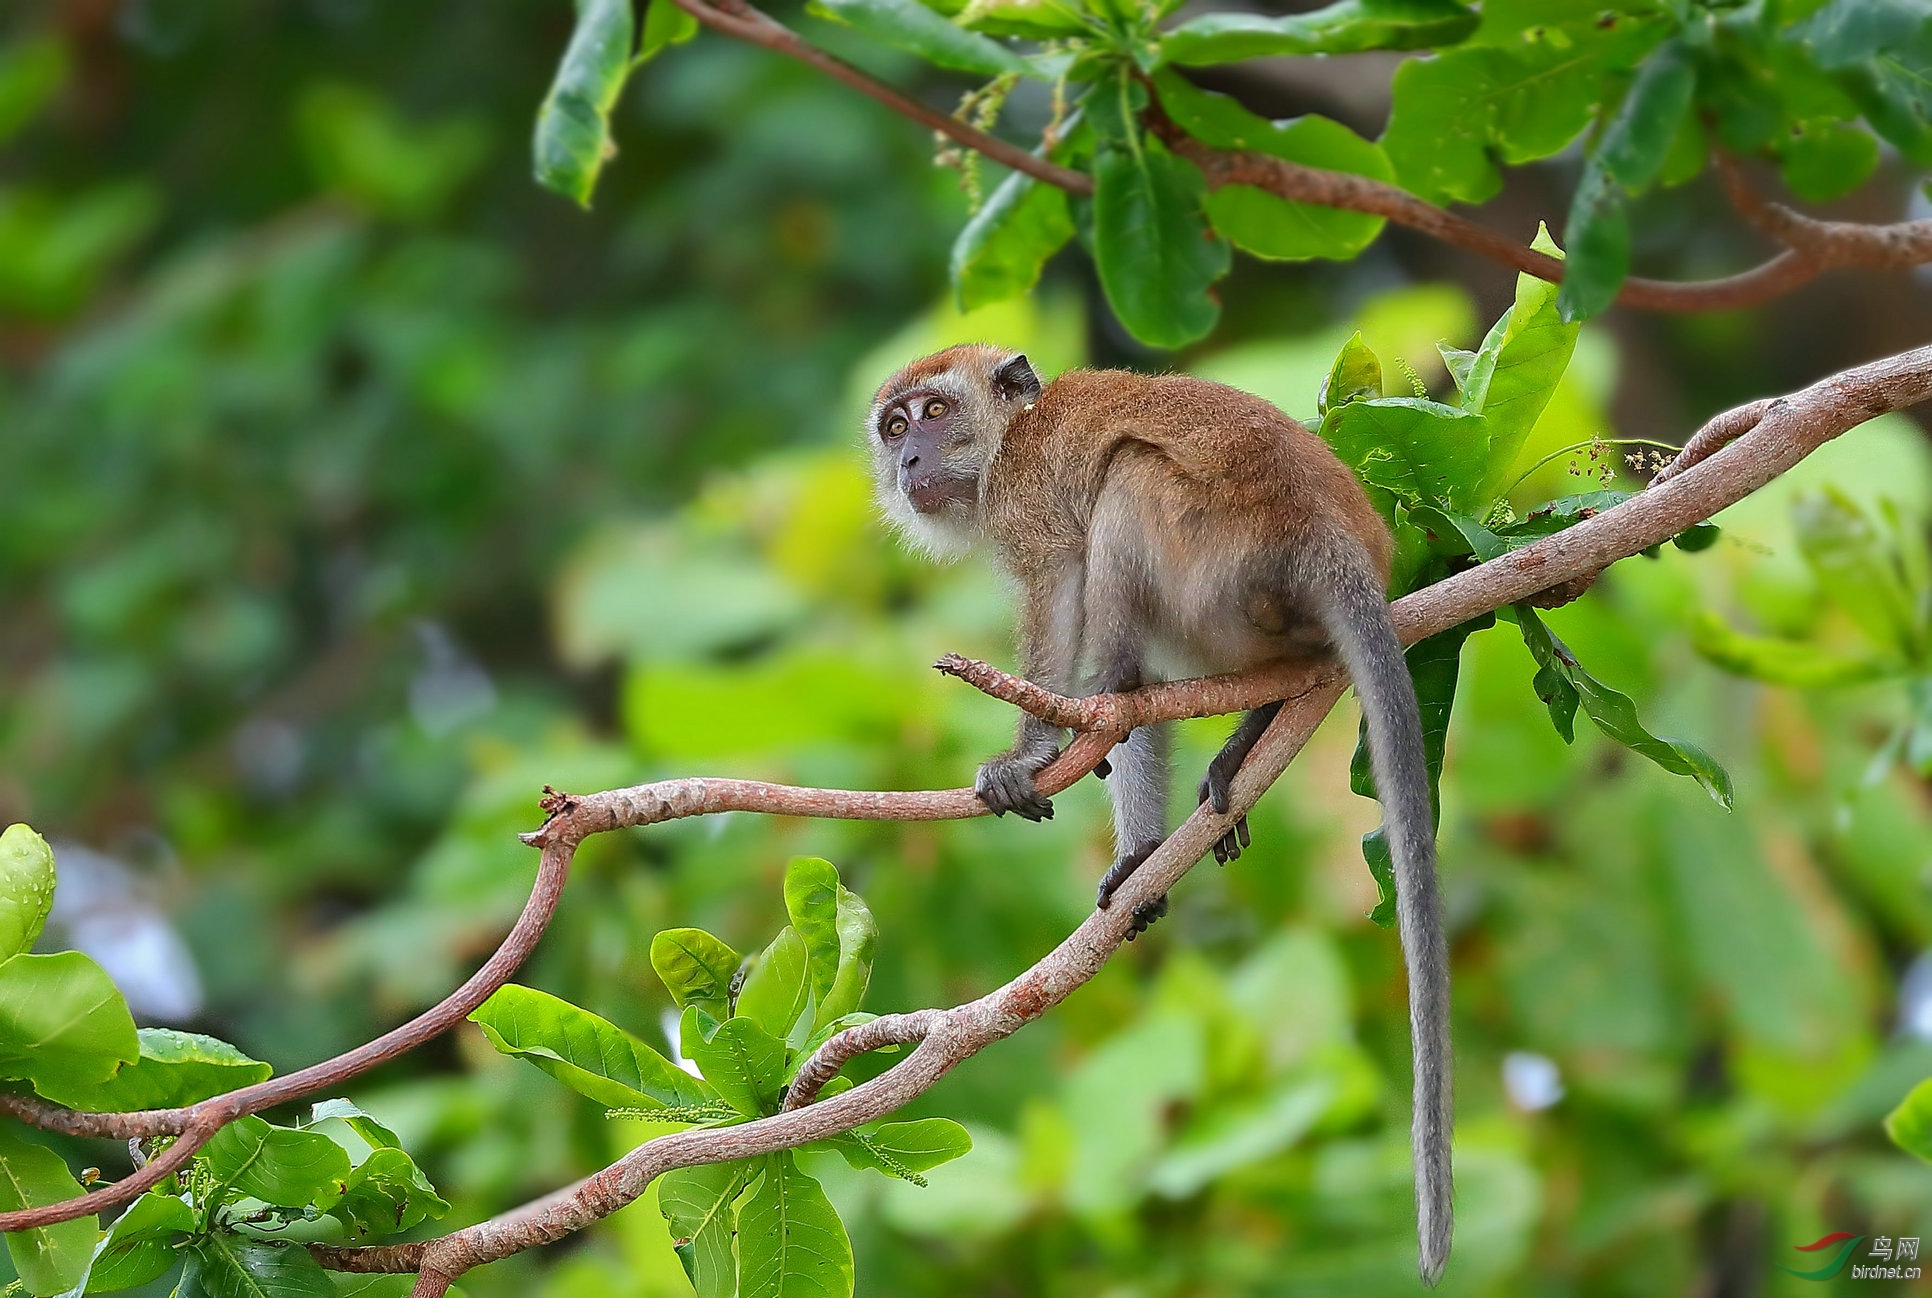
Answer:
(922, 433)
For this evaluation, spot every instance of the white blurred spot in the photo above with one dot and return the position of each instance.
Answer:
(99, 911)
(1915, 999)
(669, 1021)
(452, 687)
(1533, 1081)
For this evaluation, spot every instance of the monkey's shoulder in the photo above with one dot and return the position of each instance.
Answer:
(1085, 417)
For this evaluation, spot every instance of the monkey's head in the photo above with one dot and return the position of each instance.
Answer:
(934, 430)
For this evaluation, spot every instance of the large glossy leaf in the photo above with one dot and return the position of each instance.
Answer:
(1562, 683)
(858, 943)
(1153, 249)
(174, 1068)
(791, 1243)
(372, 1132)
(1881, 51)
(696, 967)
(905, 1149)
(1627, 158)
(910, 26)
(62, 1023)
(138, 1247)
(778, 993)
(26, 888)
(277, 1165)
(53, 1258)
(1455, 116)
(589, 1054)
(1510, 379)
(1345, 27)
(387, 1193)
(226, 1265)
(697, 1204)
(1037, 20)
(812, 902)
(1356, 375)
(573, 140)
(1423, 451)
(999, 253)
(744, 1062)
(1256, 220)
(1434, 664)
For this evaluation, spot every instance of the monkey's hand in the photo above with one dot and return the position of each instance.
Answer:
(1006, 784)
(1117, 874)
(1215, 792)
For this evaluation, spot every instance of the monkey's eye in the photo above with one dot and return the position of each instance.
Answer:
(895, 426)
(935, 408)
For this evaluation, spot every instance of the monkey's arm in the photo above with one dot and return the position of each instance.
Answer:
(1049, 656)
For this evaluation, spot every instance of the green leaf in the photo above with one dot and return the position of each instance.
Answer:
(858, 943)
(777, 993)
(1515, 372)
(999, 253)
(1453, 117)
(812, 902)
(1154, 251)
(174, 1068)
(910, 26)
(1626, 161)
(590, 1055)
(1256, 220)
(387, 1193)
(62, 1023)
(1826, 160)
(227, 1265)
(138, 1247)
(1345, 27)
(696, 967)
(697, 1203)
(1356, 375)
(665, 24)
(1859, 571)
(53, 1258)
(1434, 665)
(26, 888)
(1781, 662)
(277, 1165)
(1423, 451)
(1562, 683)
(32, 71)
(1910, 1124)
(745, 1063)
(791, 1243)
(373, 1133)
(905, 1149)
(573, 139)
(1553, 516)
(1881, 51)
(1037, 20)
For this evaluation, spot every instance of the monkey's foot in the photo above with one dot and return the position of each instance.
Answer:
(1146, 915)
(1006, 784)
(1215, 792)
(1118, 872)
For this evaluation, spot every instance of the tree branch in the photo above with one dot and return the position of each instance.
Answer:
(1769, 437)
(1811, 246)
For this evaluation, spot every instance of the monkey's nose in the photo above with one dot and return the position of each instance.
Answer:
(911, 462)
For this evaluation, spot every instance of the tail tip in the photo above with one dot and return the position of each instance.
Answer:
(1431, 1265)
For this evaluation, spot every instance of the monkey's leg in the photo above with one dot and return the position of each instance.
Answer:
(1050, 620)
(1220, 776)
(1138, 786)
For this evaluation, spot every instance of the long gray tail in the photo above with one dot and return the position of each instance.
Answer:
(1356, 616)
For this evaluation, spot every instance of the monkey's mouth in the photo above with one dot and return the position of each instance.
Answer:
(929, 495)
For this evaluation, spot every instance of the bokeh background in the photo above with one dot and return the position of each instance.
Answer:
(352, 488)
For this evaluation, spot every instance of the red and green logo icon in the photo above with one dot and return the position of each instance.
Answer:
(1839, 1242)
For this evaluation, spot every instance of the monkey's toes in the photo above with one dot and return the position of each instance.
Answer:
(1216, 787)
(1228, 846)
(1102, 769)
(1008, 786)
(1145, 915)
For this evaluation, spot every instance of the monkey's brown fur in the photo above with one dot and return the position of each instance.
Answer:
(1147, 515)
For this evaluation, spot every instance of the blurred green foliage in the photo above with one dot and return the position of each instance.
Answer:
(351, 489)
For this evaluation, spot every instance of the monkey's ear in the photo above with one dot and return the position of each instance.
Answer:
(1015, 380)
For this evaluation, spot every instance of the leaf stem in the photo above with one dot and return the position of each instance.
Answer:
(1577, 446)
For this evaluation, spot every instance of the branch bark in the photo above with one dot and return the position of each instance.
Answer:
(1760, 442)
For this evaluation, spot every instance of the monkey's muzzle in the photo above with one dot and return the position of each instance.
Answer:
(931, 492)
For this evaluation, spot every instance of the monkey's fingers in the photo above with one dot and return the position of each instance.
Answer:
(1007, 786)
(1118, 872)
(1102, 769)
(1215, 790)
(1144, 916)
(1228, 846)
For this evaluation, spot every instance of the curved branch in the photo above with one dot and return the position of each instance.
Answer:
(1775, 436)
(197, 1122)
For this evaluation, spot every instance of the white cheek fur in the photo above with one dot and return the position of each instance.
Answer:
(945, 536)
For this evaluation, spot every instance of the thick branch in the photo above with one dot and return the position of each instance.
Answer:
(1780, 433)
